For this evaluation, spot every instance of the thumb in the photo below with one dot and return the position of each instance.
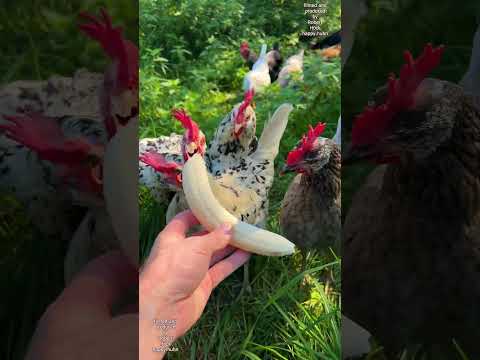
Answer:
(213, 241)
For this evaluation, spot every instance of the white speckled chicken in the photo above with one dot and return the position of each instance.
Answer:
(58, 130)
(294, 64)
(73, 103)
(241, 173)
(310, 215)
(158, 180)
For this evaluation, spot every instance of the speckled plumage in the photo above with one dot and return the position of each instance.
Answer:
(171, 148)
(310, 215)
(73, 102)
(238, 181)
(242, 179)
(411, 239)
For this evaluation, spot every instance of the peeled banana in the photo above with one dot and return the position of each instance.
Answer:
(211, 214)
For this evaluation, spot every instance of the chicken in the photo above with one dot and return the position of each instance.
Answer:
(331, 52)
(233, 142)
(241, 183)
(118, 100)
(274, 59)
(294, 64)
(119, 93)
(60, 129)
(72, 102)
(411, 256)
(158, 181)
(259, 77)
(310, 210)
(235, 136)
(249, 56)
(161, 159)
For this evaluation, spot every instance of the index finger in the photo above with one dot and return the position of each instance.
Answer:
(175, 230)
(179, 225)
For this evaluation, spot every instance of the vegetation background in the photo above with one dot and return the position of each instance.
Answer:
(190, 59)
(41, 39)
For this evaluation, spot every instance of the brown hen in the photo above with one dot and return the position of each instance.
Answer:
(411, 239)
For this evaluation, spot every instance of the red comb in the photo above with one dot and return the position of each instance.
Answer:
(244, 50)
(160, 164)
(44, 136)
(118, 48)
(247, 100)
(372, 123)
(188, 124)
(306, 144)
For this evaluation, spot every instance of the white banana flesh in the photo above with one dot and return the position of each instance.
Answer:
(211, 214)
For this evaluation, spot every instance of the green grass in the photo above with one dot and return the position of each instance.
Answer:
(287, 315)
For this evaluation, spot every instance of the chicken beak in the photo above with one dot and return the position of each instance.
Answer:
(286, 169)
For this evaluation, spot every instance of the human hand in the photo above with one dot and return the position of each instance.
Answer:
(177, 280)
(80, 325)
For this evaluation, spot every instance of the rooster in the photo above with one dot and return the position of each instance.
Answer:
(310, 211)
(233, 141)
(161, 159)
(226, 161)
(241, 183)
(411, 256)
(162, 179)
(59, 129)
(72, 103)
(274, 59)
(119, 107)
(294, 64)
(235, 136)
(259, 77)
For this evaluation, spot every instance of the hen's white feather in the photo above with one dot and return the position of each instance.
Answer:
(337, 138)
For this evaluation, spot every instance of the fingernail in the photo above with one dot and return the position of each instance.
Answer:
(226, 228)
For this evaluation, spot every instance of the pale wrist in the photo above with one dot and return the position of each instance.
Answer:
(158, 331)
